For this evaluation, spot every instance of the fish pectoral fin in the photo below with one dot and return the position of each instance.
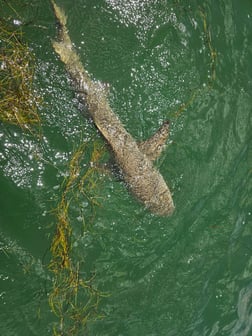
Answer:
(154, 146)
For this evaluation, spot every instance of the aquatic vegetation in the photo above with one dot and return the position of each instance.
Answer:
(74, 299)
(213, 61)
(185, 105)
(209, 44)
(18, 98)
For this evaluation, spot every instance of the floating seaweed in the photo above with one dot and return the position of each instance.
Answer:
(213, 61)
(212, 51)
(18, 99)
(73, 299)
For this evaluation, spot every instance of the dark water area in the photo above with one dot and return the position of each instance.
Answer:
(185, 275)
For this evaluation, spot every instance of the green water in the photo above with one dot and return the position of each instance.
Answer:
(190, 274)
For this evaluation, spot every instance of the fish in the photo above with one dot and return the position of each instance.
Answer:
(134, 159)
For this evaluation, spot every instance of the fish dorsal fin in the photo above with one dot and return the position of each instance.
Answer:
(153, 146)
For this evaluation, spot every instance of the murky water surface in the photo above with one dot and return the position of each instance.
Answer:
(190, 274)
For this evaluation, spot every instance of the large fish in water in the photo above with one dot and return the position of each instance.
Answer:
(133, 159)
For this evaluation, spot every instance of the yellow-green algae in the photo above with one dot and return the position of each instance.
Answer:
(18, 99)
(209, 44)
(73, 299)
(213, 63)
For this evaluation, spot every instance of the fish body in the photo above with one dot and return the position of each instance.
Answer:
(134, 160)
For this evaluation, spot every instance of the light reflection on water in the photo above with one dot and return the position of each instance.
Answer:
(189, 274)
